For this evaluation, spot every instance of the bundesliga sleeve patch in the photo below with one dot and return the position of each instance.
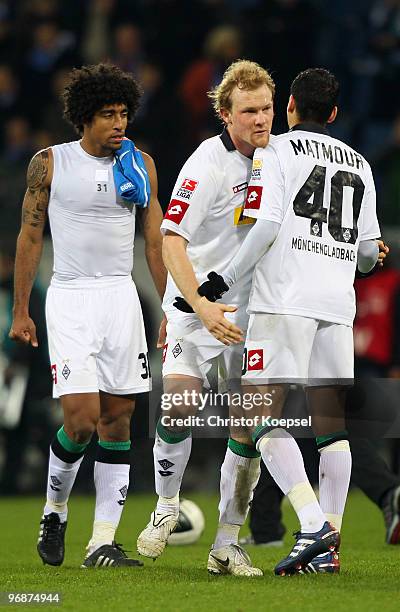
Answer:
(189, 184)
(176, 211)
(253, 200)
(187, 188)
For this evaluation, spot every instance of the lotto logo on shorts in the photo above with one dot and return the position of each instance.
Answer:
(255, 359)
(176, 211)
(189, 184)
(164, 352)
(253, 199)
(54, 373)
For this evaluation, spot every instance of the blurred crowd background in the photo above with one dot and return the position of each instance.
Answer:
(178, 50)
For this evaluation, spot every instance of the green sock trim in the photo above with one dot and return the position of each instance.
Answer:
(256, 432)
(172, 437)
(117, 446)
(68, 444)
(333, 437)
(243, 450)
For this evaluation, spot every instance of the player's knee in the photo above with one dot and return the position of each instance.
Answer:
(115, 426)
(81, 433)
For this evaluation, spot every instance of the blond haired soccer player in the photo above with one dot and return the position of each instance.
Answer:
(204, 227)
(95, 327)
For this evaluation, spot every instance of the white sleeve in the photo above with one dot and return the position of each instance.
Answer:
(369, 226)
(257, 242)
(265, 194)
(195, 191)
(367, 255)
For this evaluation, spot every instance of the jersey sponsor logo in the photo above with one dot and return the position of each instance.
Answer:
(239, 188)
(240, 219)
(54, 373)
(176, 211)
(164, 352)
(255, 359)
(253, 200)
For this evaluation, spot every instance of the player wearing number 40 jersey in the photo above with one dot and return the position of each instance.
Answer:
(314, 201)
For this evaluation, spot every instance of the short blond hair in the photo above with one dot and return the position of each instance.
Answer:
(245, 75)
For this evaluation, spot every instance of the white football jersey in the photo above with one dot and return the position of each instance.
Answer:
(322, 193)
(206, 208)
(92, 227)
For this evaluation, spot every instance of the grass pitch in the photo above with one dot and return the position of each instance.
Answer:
(178, 581)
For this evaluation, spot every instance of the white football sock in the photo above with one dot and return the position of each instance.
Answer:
(283, 459)
(334, 480)
(239, 477)
(111, 481)
(168, 505)
(170, 462)
(60, 480)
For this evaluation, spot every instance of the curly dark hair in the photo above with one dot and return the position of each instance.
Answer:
(92, 87)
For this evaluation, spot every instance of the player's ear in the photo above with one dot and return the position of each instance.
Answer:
(225, 115)
(291, 107)
(333, 115)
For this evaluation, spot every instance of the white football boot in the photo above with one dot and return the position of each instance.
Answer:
(232, 560)
(154, 537)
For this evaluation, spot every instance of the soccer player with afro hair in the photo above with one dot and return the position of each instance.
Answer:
(97, 343)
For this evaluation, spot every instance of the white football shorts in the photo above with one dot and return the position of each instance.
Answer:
(96, 337)
(190, 348)
(296, 349)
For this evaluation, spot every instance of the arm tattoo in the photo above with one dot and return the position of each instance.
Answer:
(37, 170)
(37, 196)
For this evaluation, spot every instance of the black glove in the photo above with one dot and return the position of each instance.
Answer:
(182, 305)
(214, 288)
